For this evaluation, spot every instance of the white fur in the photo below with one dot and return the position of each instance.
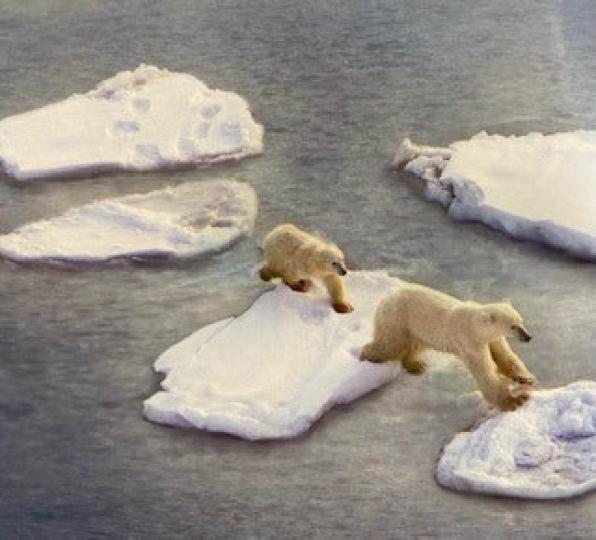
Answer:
(415, 318)
(298, 257)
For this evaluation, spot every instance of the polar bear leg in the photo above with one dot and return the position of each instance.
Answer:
(335, 287)
(494, 387)
(377, 352)
(387, 348)
(509, 363)
(292, 276)
(298, 285)
(410, 358)
(267, 273)
(289, 276)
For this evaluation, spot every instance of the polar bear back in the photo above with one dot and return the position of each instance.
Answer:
(289, 249)
(424, 313)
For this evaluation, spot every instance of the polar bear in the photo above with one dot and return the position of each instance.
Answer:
(296, 256)
(413, 318)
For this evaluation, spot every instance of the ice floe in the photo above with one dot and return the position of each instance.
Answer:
(274, 370)
(177, 222)
(138, 120)
(535, 187)
(543, 450)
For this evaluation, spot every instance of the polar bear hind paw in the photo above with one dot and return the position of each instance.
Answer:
(414, 367)
(302, 285)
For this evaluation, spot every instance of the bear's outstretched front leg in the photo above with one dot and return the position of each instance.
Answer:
(335, 287)
(494, 387)
(509, 363)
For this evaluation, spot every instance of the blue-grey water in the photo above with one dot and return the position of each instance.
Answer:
(336, 84)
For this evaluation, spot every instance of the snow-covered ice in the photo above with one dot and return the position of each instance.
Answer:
(177, 222)
(535, 187)
(138, 120)
(274, 370)
(543, 450)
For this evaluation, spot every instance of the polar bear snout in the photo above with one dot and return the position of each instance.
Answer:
(521, 333)
(340, 268)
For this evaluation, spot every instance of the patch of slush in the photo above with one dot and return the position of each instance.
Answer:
(543, 450)
(177, 222)
(536, 187)
(138, 120)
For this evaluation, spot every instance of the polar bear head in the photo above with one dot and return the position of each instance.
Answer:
(330, 260)
(493, 321)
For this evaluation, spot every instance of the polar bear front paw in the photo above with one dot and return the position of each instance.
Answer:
(343, 307)
(526, 379)
(413, 366)
(509, 401)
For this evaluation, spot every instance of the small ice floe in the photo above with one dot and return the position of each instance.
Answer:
(273, 371)
(543, 450)
(175, 223)
(536, 187)
(138, 120)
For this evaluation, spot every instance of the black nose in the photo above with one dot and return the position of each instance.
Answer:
(523, 335)
(340, 268)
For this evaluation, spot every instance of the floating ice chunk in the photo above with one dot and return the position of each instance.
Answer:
(178, 222)
(407, 151)
(273, 371)
(536, 187)
(138, 120)
(543, 450)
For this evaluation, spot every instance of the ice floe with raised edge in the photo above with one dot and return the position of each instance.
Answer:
(139, 120)
(543, 450)
(274, 370)
(179, 222)
(533, 187)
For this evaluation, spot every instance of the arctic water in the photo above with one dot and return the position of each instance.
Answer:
(336, 86)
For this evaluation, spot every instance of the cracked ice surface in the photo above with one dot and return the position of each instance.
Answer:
(138, 120)
(177, 222)
(535, 187)
(543, 450)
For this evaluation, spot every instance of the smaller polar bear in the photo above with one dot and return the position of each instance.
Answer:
(414, 318)
(296, 256)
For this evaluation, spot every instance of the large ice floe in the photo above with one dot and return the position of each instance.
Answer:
(535, 187)
(138, 120)
(543, 450)
(274, 370)
(174, 223)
